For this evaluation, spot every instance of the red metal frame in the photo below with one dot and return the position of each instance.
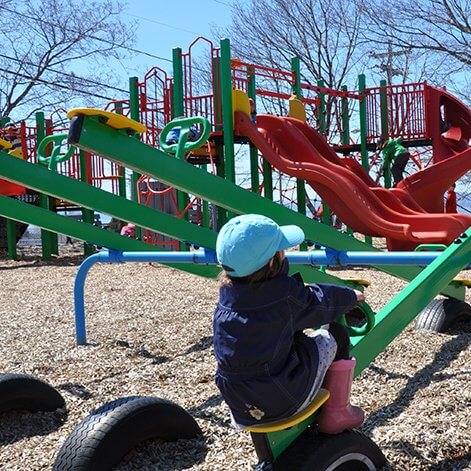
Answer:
(155, 103)
(196, 103)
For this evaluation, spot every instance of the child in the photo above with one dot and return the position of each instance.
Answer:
(174, 134)
(13, 135)
(450, 201)
(268, 369)
(129, 230)
(396, 155)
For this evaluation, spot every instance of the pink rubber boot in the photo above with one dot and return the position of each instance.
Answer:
(337, 413)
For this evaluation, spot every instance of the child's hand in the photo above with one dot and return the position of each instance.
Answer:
(360, 295)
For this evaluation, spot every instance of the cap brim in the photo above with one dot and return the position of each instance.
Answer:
(292, 235)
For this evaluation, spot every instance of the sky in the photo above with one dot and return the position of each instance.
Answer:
(165, 25)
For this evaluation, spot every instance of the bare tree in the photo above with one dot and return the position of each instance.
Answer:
(46, 41)
(324, 35)
(437, 30)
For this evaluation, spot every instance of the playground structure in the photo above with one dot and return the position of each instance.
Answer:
(112, 143)
(413, 112)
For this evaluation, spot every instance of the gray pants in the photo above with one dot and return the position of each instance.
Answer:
(327, 349)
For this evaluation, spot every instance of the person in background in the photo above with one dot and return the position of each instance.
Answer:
(129, 230)
(253, 113)
(396, 155)
(450, 200)
(13, 136)
(174, 134)
(269, 368)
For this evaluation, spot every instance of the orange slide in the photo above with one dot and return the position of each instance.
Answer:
(298, 150)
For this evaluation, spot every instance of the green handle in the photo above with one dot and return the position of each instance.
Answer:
(433, 247)
(364, 329)
(184, 145)
(56, 156)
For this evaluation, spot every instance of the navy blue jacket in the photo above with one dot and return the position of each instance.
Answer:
(266, 365)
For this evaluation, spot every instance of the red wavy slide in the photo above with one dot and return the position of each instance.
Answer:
(451, 150)
(298, 150)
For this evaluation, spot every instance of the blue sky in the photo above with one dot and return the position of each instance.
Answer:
(161, 27)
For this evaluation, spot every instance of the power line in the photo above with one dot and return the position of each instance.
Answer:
(223, 3)
(96, 38)
(111, 87)
(58, 85)
(150, 20)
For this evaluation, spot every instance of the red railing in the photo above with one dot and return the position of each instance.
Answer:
(406, 110)
(270, 82)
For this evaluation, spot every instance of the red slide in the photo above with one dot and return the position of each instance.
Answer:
(449, 124)
(298, 150)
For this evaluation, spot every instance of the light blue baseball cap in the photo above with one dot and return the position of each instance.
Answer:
(247, 243)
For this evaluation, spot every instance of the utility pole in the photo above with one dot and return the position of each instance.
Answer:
(387, 66)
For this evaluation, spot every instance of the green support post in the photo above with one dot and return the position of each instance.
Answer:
(178, 108)
(364, 131)
(46, 236)
(206, 219)
(346, 128)
(363, 123)
(134, 114)
(384, 127)
(122, 171)
(11, 239)
(227, 114)
(345, 119)
(322, 125)
(221, 168)
(252, 92)
(321, 118)
(300, 184)
(51, 202)
(88, 215)
(11, 225)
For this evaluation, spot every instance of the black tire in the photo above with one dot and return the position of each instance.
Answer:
(103, 438)
(441, 314)
(25, 392)
(346, 451)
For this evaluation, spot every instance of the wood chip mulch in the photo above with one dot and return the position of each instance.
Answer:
(150, 333)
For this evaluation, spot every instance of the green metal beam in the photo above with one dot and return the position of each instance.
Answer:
(398, 313)
(97, 137)
(51, 221)
(41, 179)
(59, 186)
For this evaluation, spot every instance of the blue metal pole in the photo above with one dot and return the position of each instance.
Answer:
(79, 297)
(326, 257)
